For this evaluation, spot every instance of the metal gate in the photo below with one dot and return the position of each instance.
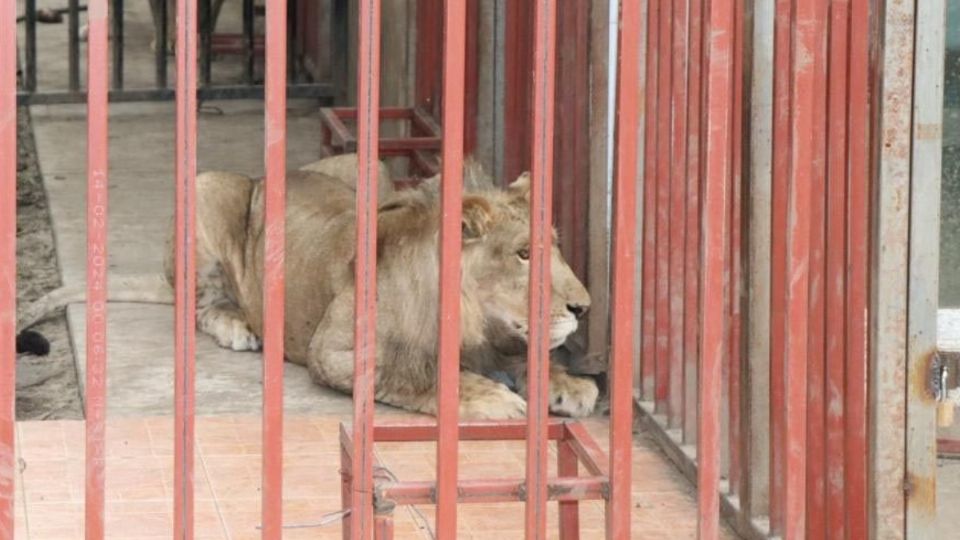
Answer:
(780, 145)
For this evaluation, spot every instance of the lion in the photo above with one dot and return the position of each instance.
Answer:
(319, 316)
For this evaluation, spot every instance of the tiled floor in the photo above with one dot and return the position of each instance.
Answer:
(139, 482)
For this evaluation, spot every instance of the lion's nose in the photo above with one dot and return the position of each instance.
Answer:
(578, 310)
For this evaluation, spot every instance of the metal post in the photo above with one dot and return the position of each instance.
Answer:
(97, 180)
(185, 272)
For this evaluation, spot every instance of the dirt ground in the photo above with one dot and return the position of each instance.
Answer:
(47, 386)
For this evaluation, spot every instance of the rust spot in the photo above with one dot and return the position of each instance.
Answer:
(920, 381)
(921, 492)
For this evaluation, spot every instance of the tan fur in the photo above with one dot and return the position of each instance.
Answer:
(320, 286)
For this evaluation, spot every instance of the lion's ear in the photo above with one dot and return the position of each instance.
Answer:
(477, 217)
(520, 188)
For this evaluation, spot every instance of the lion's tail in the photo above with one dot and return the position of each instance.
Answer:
(149, 289)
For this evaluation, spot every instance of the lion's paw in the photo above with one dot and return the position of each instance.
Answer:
(236, 335)
(572, 396)
(499, 404)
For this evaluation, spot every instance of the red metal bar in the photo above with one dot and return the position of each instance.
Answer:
(185, 273)
(346, 482)
(275, 158)
(570, 510)
(662, 259)
(678, 203)
(517, 91)
(498, 490)
(816, 370)
(719, 72)
(8, 260)
(836, 266)
(448, 377)
(734, 344)
(476, 430)
(691, 327)
(648, 287)
(590, 454)
(858, 251)
(808, 25)
(778, 255)
(383, 527)
(623, 273)
(365, 303)
(97, 170)
(429, 51)
(538, 358)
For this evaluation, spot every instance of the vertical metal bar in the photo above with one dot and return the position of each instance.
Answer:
(756, 463)
(569, 511)
(678, 203)
(73, 44)
(619, 507)
(808, 25)
(778, 253)
(734, 344)
(275, 158)
(97, 170)
(924, 267)
(448, 378)
(691, 308)
(719, 73)
(858, 277)
(836, 262)
(384, 528)
(341, 47)
(663, 209)
(160, 32)
(541, 244)
(248, 42)
(365, 310)
(116, 19)
(346, 489)
(206, 41)
(816, 369)
(887, 375)
(648, 288)
(185, 272)
(8, 261)
(30, 82)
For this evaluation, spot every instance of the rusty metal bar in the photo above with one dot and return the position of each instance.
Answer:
(448, 354)
(662, 258)
(691, 307)
(778, 254)
(8, 262)
(887, 373)
(678, 208)
(538, 357)
(857, 275)
(734, 326)
(719, 90)
(365, 310)
(499, 490)
(96, 315)
(505, 430)
(185, 271)
(622, 255)
(924, 268)
(816, 368)
(836, 261)
(648, 287)
(275, 158)
(569, 510)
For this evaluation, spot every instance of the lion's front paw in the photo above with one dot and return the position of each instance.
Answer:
(236, 335)
(572, 396)
(498, 404)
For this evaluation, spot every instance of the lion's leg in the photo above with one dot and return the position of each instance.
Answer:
(480, 399)
(222, 206)
(569, 395)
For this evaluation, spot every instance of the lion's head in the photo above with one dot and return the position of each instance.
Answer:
(495, 261)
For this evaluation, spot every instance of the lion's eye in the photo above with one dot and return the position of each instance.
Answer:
(524, 254)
